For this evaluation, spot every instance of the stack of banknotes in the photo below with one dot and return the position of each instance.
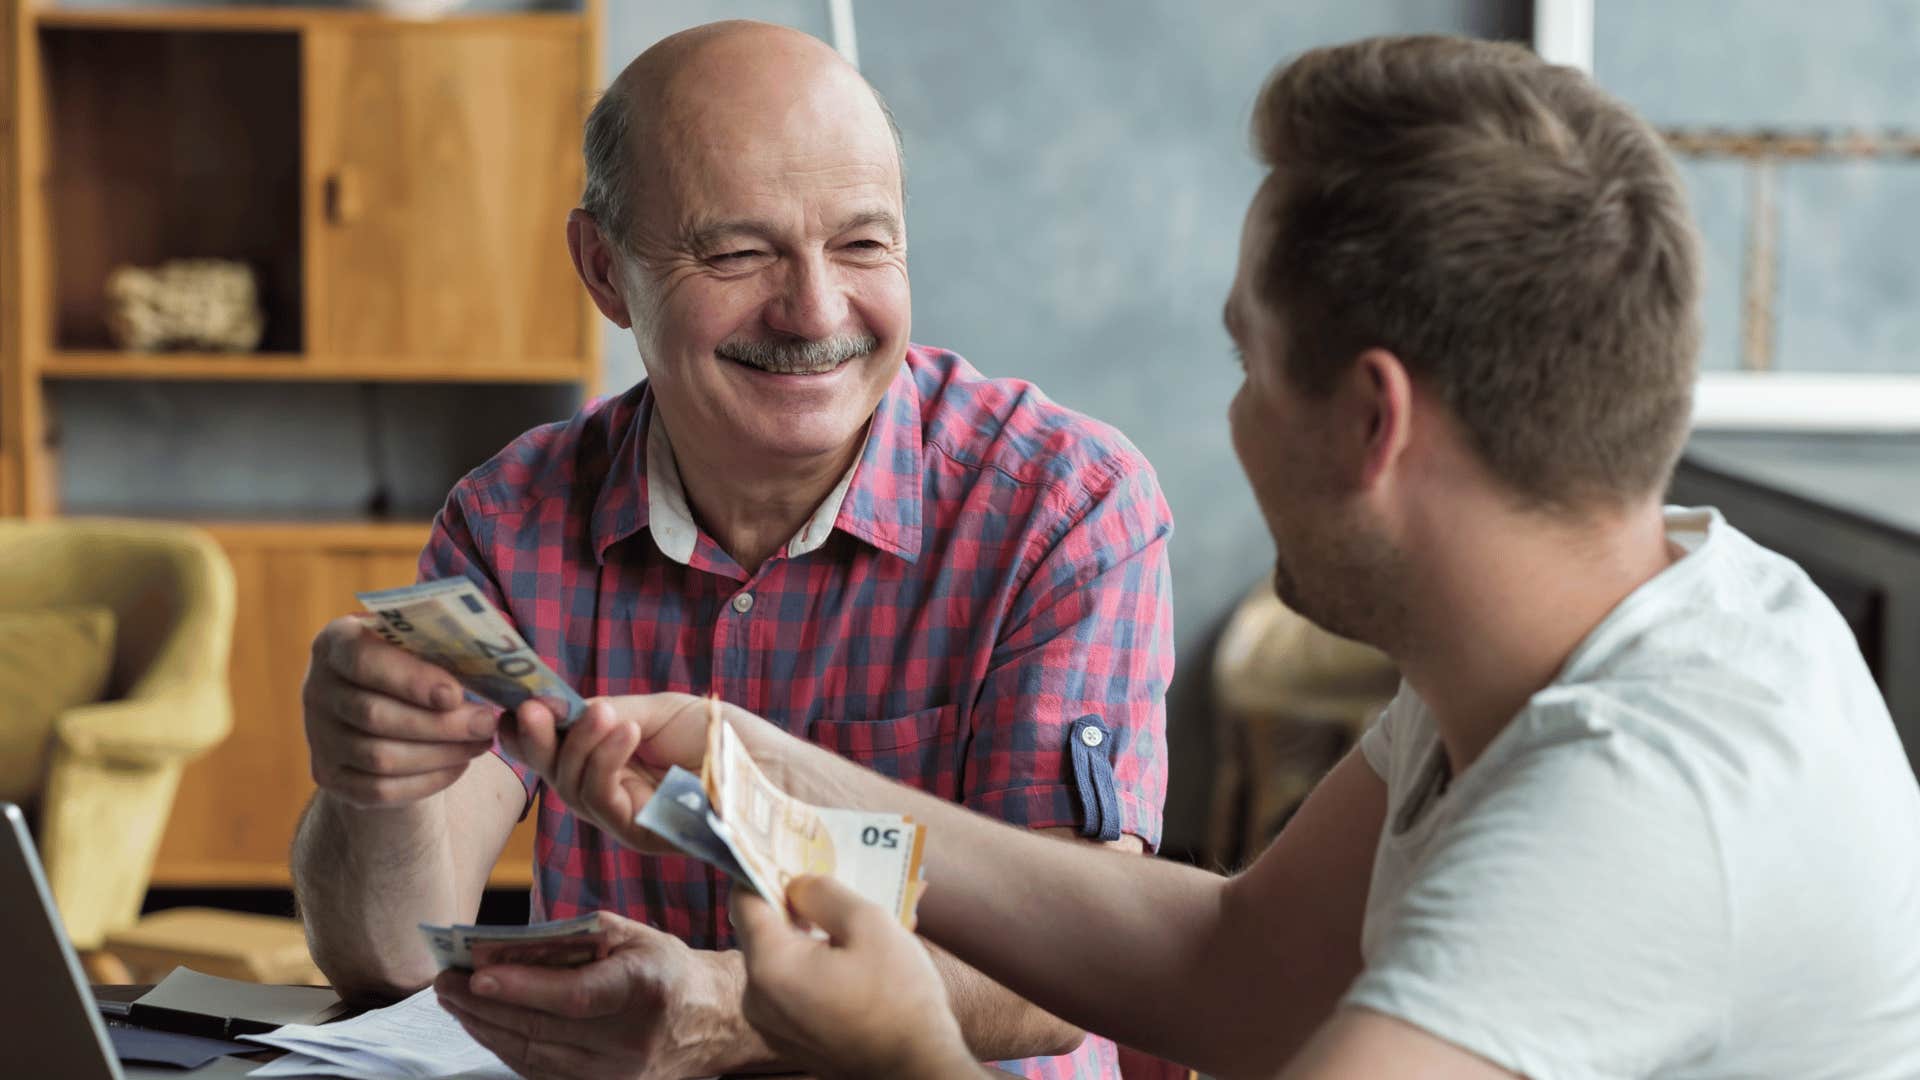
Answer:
(561, 943)
(730, 816)
(733, 818)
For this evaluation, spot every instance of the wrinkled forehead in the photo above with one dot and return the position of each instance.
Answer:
(736, 148)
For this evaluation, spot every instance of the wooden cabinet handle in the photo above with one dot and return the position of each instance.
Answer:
(345, 199)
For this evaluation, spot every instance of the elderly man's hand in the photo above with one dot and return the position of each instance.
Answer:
(654, 1009)
(608, 764)
(865, 1003)
(385, 729)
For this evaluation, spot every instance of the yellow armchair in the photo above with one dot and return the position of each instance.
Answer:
(115, 764)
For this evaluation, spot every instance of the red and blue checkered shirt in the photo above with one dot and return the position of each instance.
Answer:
(994, 591)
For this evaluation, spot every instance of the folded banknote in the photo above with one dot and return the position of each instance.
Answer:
(450, 623)
(736, 820)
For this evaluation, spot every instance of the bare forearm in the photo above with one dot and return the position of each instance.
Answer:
(364, 880)
(1081, 932)
(998, 1024)
(1074, 929)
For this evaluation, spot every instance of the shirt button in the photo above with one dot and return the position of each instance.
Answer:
(1091, 736)
(743, 602)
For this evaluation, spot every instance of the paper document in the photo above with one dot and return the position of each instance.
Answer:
(413, 1040)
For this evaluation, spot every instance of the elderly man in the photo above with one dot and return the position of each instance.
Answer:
(943, 577)
(1638, 809)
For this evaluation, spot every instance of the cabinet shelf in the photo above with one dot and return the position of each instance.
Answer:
(296, 367)
(249, 18)
(406, 536)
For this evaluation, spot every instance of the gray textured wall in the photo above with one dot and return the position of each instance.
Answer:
(1849, 273)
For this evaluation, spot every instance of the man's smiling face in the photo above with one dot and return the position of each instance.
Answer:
(769, 290)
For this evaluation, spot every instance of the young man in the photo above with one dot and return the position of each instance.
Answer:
(1638, 809)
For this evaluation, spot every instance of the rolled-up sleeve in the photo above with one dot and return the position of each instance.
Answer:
(1069, 728)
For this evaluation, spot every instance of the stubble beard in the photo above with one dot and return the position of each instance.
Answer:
(1347, 583)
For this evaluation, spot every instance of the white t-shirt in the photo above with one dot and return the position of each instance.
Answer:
(1695, 854)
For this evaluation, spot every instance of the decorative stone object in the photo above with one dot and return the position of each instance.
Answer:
(413, 9)
(210, 304)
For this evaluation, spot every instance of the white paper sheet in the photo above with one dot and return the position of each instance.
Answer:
(413, 1040)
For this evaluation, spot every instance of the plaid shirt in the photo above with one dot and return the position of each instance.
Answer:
(994, 582)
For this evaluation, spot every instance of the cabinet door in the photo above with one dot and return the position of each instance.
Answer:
(234, 815)
(442, 162)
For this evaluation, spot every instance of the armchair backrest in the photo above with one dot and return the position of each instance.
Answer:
(169, 586)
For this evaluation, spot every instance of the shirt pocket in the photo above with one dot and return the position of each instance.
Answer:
(922, 748)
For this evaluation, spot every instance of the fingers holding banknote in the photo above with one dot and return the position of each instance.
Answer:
(609, 762)
(385, 728)
(599, 745)
(865, 1002)
(652, 1009)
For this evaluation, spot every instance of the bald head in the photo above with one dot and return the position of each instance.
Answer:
(713, 92)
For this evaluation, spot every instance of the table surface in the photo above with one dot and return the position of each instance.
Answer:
(238, 1064)
(1874, 478)
(232, 1065)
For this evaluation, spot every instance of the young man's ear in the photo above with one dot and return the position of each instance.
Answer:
(598, 264)
(1384, 396)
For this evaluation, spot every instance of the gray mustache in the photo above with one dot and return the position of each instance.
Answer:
(799, 355)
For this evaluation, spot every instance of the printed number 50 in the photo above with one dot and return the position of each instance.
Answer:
(875, 836)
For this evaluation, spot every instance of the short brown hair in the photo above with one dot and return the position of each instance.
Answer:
(1516, 237)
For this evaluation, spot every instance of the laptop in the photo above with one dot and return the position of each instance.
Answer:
(48, 1022)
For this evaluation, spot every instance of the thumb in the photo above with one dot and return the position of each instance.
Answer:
(828, 905)
(672, 727)
(531, 737)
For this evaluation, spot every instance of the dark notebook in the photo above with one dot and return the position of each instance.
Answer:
(215, 1008)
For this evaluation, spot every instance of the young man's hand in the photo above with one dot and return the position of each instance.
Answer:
(609, 763)
(865, 1003)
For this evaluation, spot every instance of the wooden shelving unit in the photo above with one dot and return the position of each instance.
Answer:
(399, 187)
(104, 364)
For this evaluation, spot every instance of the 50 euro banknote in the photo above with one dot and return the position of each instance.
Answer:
(734, 818)
(451, 624)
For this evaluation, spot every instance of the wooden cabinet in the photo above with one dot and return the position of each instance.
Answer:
(490, 118)
(234, 816)
(400, 189)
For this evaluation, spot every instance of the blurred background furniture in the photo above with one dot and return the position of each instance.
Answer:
(230, 944)
(1290, 699)
(99, 776)
(399, 188)
(1846, 507)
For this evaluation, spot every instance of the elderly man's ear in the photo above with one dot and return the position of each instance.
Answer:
(598, 263)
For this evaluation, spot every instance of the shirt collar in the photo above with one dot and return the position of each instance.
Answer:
(877, 500)
(882, 505)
